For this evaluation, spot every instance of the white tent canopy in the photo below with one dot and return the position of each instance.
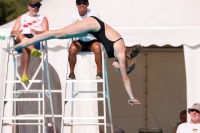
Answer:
(145, 22)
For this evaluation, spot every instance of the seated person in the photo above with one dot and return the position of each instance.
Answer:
(183, 119)
(193, 125)
(85, 43)
(28, 25)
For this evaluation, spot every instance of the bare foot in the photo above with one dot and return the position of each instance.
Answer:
(22, 44)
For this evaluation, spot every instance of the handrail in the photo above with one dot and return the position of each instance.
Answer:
(12, 36)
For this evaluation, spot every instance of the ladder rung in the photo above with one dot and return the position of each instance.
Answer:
(88, 92)
(49, 115)
(19, 81)
(71, 124)
(82, 118)
(85, 81)
(29, 124)
(54, 91)
(84, 52)
(22, 118)
(84, 99)
(35, 115)
(15, 53)
(24, 99)
(36, 91)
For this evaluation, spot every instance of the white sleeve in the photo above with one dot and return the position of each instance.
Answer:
(178, 129)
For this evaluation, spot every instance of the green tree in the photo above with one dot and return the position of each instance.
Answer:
(11, 9)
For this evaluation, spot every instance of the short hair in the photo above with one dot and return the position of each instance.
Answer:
(184, 112)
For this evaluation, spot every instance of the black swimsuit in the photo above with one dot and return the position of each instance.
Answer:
(100, 35)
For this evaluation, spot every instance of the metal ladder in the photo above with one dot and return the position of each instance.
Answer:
(10, 87)
(73, 99)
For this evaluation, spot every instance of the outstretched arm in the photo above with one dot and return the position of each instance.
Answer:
(120, 53)
(126, 80)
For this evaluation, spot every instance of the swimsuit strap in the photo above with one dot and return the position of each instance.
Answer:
(118, 40)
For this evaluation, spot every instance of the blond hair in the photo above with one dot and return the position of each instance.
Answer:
(130, 64)
(131, 52)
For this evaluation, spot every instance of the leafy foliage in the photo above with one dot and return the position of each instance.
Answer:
(11, 9)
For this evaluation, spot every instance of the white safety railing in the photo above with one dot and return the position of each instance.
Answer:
(105, 95)
(10, 85)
